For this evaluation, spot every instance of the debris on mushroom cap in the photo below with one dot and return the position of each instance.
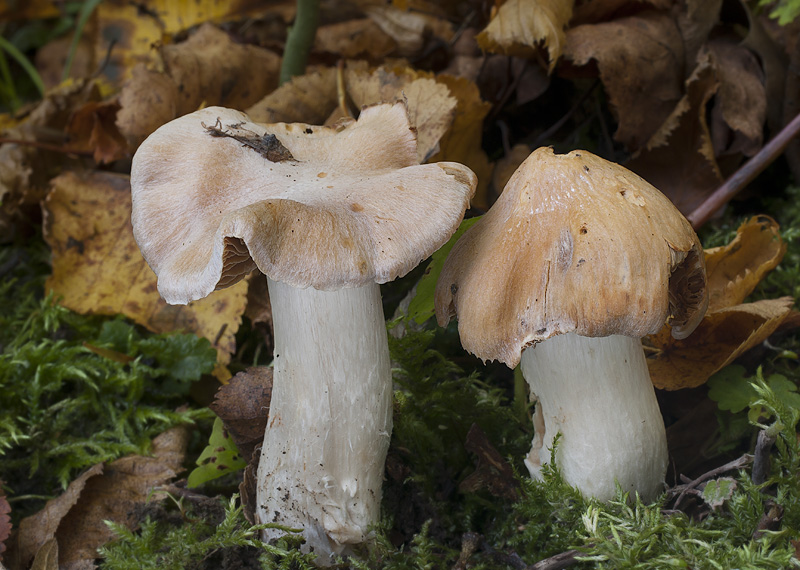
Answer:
(574, 244)
(215, 195)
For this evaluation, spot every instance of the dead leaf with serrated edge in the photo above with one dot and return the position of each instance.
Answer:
(519, 26)
(640, 62)
(735, 269)
(98, 269)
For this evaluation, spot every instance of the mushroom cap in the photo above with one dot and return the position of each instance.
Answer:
(575, 243)
(215, 196)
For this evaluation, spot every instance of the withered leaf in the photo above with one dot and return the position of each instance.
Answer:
(721, 337)
(353, 39)
(640, 61)
(243, 407)
(98, 269)
(409, 30)
(734, 270)
(5, 521)
(493, 473)
(520, 25)
(47, 556)
(208, 68)
(92, 128)
(104, 492)
(308, 98)
(679, 158)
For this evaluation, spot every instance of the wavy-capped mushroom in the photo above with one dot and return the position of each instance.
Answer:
(326, 214)
(576, 261)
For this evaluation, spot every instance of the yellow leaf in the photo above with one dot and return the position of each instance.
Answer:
(734, 270)
(98, 269)
(721, 337)
(521, 25)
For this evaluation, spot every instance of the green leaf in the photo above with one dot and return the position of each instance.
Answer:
(717, 491)
(184, 357)
(731, 389)
(421, 307)
(219, 458)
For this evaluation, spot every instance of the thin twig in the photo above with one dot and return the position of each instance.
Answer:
(761, 455)
(746, 173)
(46, 146)
(557, 562)
(735, 464)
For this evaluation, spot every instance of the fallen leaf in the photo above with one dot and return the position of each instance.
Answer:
(243, 407)
(493, 473)
(98, 269)
(594, 12)
(679, 158)
(640, 61)
(110, 491)
(740, 107)
(308, 98)
(717, 491)
(220, 457)
(410, 30)
(354, 39)
(720, 338)
(5, 521)
(92, 128)
(47, 556)
(520, 25)
(31, 10)
(208, 68)
(696, 19)
(734, 270)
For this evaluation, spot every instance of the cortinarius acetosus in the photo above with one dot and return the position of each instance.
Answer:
(326, 214)
(576, 261)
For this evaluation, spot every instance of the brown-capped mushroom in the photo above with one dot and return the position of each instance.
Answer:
(577, 260)
(326, 214)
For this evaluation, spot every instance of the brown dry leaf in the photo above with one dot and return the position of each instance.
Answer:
(354, 39)
(431, 107)
(462, 142)
(243, 407)
(721, 337)
(735, 269)
(92, 128)
(409, 30)
(308, 98)
(208, 68)
(47, 556)
(740, 108)
(493, 471)
(679, 158)
(696, 20)
(640, 60)
(593, 12)
(105, 492)
(508, 165)
(5, 521)
(521, 25)
(98, 269)
(30, 10)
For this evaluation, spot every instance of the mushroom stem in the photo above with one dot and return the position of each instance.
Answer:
(597, 393)
(330, 420)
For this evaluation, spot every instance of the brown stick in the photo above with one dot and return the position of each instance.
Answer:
(746, 173)
(46, 146)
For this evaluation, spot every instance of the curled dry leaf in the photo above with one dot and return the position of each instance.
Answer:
(729, 328)
(640, 61)
(679, 158)
(409, 30)
(110, 491)
(721, 337)
(208, 68)
(243, 407)
(521, 25)
(735, 269)
(98, 269)
(92, 128)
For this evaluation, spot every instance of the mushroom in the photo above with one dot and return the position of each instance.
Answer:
(326, 214)
(576, 261)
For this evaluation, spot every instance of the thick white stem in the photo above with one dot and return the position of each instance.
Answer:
(596, 392)
(330, 417)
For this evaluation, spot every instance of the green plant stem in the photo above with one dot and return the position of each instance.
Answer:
(86, 10)
(300, 39)
(24, 62)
